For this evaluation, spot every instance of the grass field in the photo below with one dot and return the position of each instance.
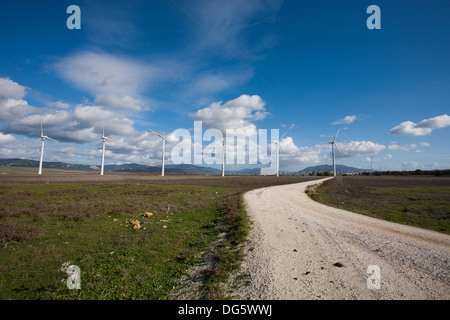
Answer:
(421, 201)
(48, 222)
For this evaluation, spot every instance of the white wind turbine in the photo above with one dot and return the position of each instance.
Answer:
(333, 144)
(277, 143)
(103, 149)
(223, 153)
(42, 148)
(163, 148)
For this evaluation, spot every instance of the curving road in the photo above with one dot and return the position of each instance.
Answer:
(300, 249)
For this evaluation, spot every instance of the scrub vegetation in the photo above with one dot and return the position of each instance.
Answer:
(421, 201)
(132, 236)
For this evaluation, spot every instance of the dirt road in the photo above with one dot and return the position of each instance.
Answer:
(300, 249)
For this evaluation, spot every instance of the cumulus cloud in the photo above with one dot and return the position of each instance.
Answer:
(395, 147)
(6, 139)
(424, 127)
(11, 103)
(115, 102)
(357, 148)
(294, 156)
(236, 114)
(346, 120)
(11, 89)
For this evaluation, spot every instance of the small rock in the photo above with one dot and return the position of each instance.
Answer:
(135, 224)
(164, 227)
(147, 214)
(338, 264)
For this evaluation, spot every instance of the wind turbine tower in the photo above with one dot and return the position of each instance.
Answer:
(42, 148)
(277, 143)
(103, 149)
(223, 154)
(333, 145)
(163, 138)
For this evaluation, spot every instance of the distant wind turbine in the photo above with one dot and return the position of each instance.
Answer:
(333, 144)
(163, 138)
(223, 154)
(277, 143)
(103, 149)
(42, 148)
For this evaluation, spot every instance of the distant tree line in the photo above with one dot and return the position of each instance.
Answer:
(418, 172)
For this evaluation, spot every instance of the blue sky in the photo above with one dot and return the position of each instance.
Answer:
(311, 66)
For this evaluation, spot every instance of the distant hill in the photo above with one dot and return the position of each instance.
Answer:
(340, 169)
(133, 167)
(193, 169)
(50, 165)
(181, 168)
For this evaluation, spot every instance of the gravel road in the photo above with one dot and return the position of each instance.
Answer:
(300, 249)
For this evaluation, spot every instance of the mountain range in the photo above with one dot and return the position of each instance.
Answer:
(181, 169)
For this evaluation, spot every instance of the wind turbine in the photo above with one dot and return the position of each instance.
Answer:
(277, 143)
(333, 144)
(223, 154)
(42, 148)
(103, 149)
(163, 148)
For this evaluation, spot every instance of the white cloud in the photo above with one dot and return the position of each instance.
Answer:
(60, 105)
(424, 127)
(225, 22)
(14, 108)
(235, 114)
(395, 147)
(357, 148)
(214, 82)
(6, 139)
(11, 89)
(96, 116)
(424, 144)
(115, 102)
(11, 103)
(347, 120)
(105, 74)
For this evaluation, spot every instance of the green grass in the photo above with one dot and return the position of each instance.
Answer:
(422, 202)
(44, 226)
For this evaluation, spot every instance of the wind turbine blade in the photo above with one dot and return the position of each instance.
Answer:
(283, 135)
(97, 142)
(157, 134)
(339, 149)
(36, 141)
(42, 131)
(336, 135)
(50, 139)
